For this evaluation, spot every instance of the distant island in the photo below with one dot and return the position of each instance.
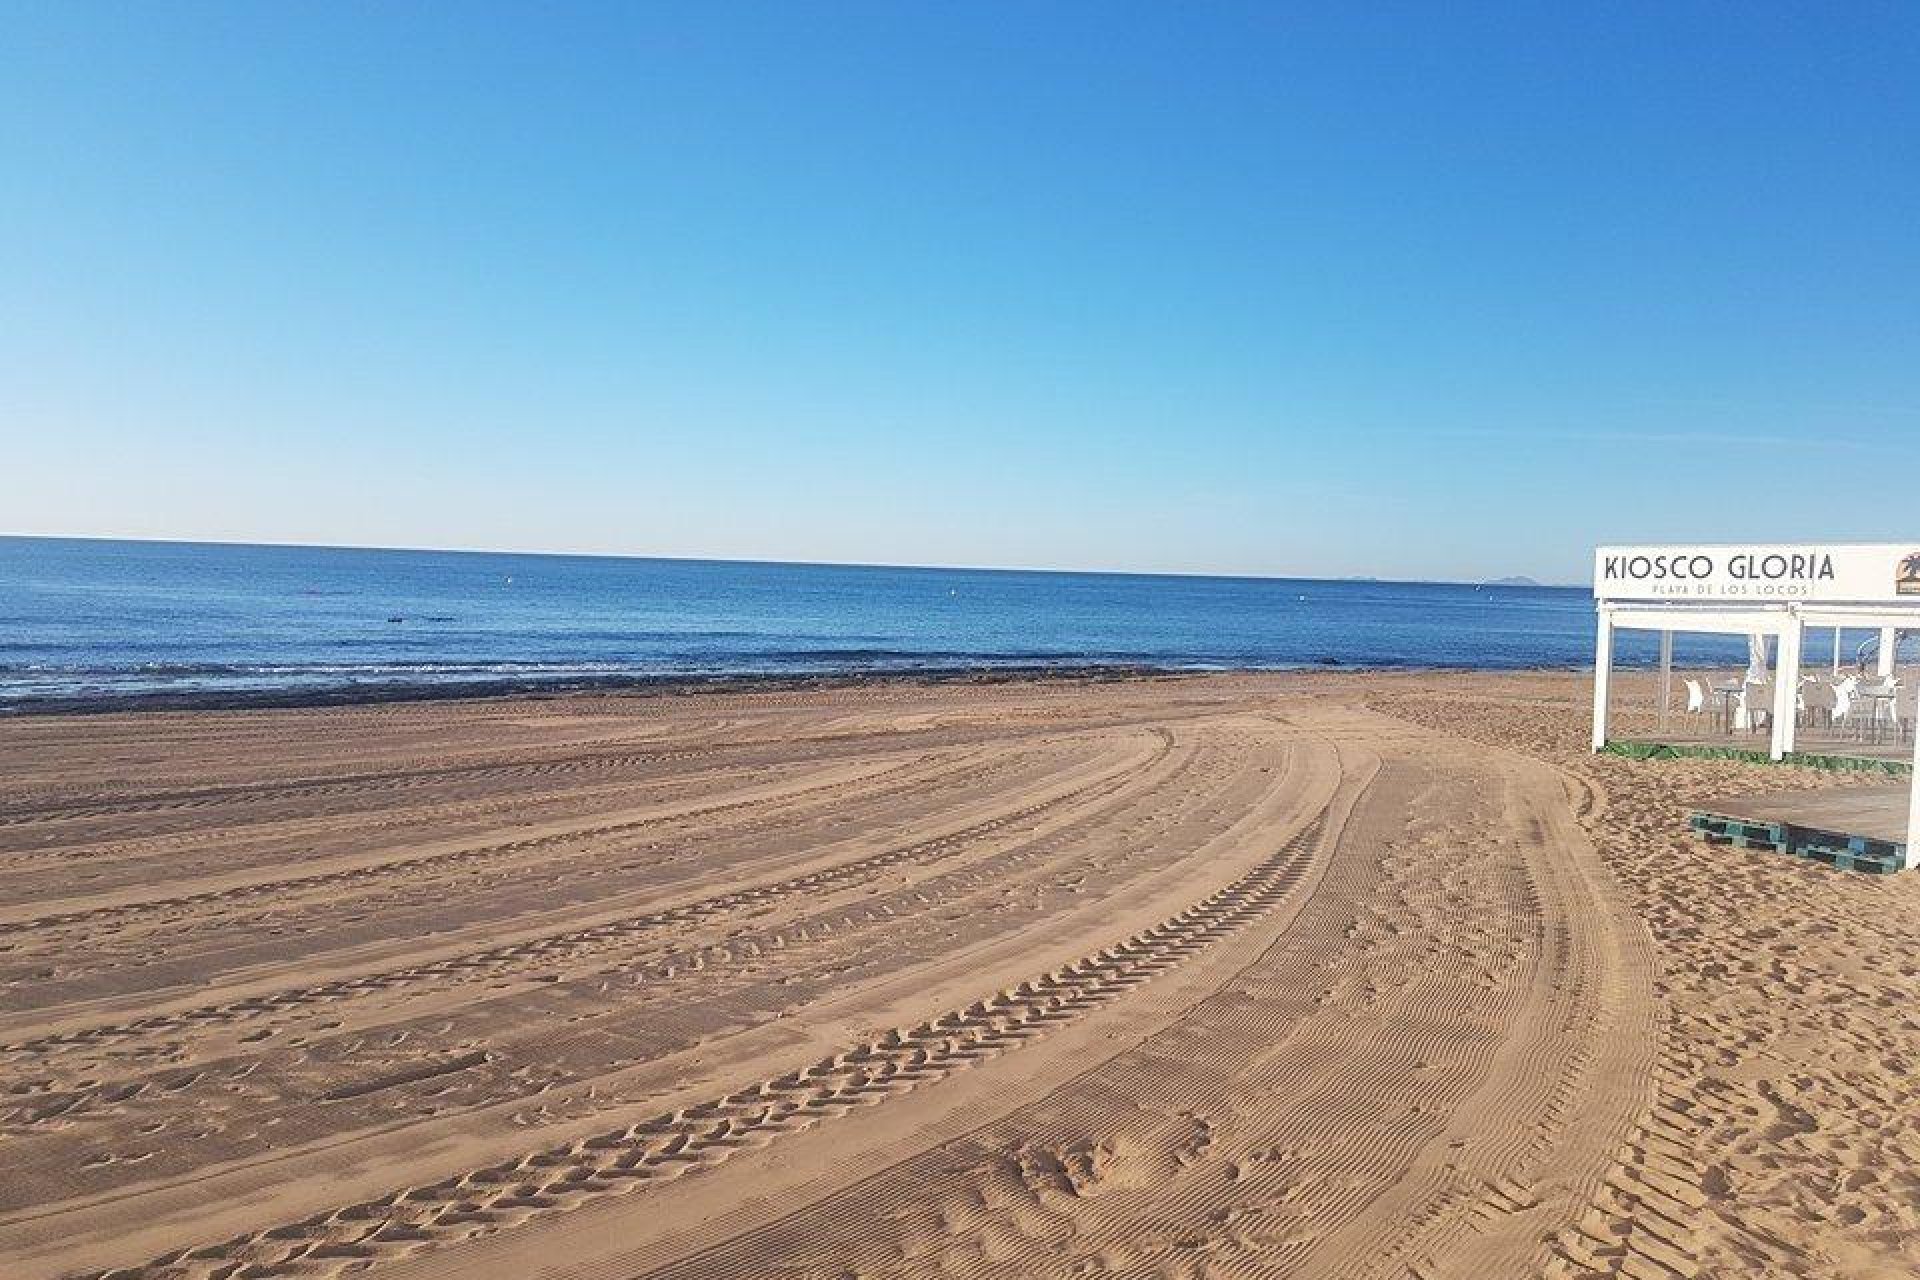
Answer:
(1512, 582)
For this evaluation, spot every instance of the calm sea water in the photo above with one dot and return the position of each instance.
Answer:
(88, 622)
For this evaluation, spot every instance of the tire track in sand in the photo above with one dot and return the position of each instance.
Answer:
(1638, 1220)
(1422, 1078)
(755, 798)
(623, 1160)
(572, 941)
(691, 973)
(193, 799)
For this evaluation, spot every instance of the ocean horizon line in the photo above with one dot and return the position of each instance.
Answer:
(1497, 581)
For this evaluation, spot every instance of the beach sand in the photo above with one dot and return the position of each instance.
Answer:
(1293, 975)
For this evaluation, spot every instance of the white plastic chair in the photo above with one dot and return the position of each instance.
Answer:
(1815, 702)
(1696, 697)
(1886, 711)
(1843, 703)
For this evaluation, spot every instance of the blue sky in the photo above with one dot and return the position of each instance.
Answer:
(1412, 291)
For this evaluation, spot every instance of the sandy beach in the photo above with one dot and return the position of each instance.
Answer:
(1292, 975)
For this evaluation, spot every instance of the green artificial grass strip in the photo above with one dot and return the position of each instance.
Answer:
(1677, 751)
(1894, 768)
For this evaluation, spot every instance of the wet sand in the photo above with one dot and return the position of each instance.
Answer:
(1302, 975)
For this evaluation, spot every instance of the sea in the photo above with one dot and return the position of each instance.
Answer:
(94, 624)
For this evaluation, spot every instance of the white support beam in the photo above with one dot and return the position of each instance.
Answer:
(1786, 688)
(1913, 808)
(1889, 641)
(1861, 617)
(1836, 650)
(1763, 622)
(1666, 678)
(1602, 677)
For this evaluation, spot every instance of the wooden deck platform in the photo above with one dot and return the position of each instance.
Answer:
(1854, 828)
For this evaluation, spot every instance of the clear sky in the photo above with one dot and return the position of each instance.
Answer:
(1411, 291)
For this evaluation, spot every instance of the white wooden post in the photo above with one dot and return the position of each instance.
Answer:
(1889, 641)
(1912, 859)
(1666, 677)
(1602, 676)
(1836, 651)
(1786, 685)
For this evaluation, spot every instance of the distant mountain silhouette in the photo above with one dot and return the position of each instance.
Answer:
(1512, 582)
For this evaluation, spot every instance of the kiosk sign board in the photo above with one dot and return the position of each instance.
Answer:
(1839, 573)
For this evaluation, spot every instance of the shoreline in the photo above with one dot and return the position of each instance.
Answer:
(508, 689)
(670, 684)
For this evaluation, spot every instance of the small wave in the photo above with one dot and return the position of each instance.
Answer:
(877, 655)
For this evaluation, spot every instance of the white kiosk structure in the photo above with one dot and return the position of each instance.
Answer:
(1764, 591)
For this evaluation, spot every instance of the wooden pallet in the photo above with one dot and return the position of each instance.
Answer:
(1834, 848)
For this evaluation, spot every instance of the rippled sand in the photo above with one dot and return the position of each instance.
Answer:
(1277, 976)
